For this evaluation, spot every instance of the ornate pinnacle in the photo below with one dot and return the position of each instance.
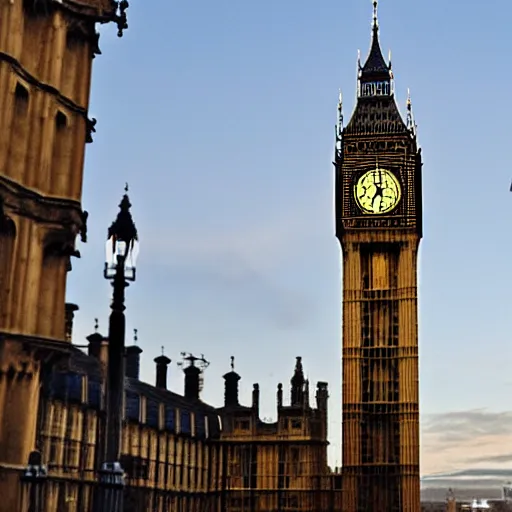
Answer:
(411, 125)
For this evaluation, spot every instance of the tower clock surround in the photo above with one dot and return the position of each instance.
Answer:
(378, 202)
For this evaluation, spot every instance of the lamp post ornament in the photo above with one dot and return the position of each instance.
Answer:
(122, 248)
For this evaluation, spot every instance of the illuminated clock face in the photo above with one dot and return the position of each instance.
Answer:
(377, 191)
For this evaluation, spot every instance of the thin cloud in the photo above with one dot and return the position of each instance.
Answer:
(262, 246)
(454, 426)
(491, 459)
(465, 439)
(243, 265)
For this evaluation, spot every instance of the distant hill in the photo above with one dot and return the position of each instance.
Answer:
(466, 484)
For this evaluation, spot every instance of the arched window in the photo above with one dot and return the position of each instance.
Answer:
(21, 99)
(61, 121)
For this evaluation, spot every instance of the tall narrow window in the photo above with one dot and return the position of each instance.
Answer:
(7, 239)
(19, 132)
(52, 292)
(21, 101)
(61, 155)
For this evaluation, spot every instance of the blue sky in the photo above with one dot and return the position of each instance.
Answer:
(221, 115)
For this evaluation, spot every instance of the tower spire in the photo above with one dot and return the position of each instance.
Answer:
(375, 75)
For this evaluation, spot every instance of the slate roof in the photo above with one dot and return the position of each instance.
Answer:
(375, 65)
(376, 115)
(66, 384)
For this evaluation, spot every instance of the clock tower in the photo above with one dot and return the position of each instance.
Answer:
(379, 225)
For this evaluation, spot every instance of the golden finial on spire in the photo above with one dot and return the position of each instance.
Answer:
(232, 363)
(135, 336)
(96, 325)
(409, 103)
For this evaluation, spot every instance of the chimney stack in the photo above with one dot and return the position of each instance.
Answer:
(256, 398)
(231, 386)
(69, 316)
(162, 362)
(321, 395)
(98, 345)
(192, 374)
(133, 361)
(132, 358)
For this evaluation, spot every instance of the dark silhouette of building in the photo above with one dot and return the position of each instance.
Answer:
(379, 226)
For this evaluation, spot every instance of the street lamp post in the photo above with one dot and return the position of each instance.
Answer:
(122, 249)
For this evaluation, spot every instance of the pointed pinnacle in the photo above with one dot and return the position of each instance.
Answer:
(375, 14)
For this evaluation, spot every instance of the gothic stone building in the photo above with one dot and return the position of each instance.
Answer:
(179, 454)
(168, 450)
(46, 52)
(279, 466)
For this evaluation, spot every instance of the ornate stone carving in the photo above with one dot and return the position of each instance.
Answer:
(121, 20)
(90, 129)
(83, 230)
(96, 45)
